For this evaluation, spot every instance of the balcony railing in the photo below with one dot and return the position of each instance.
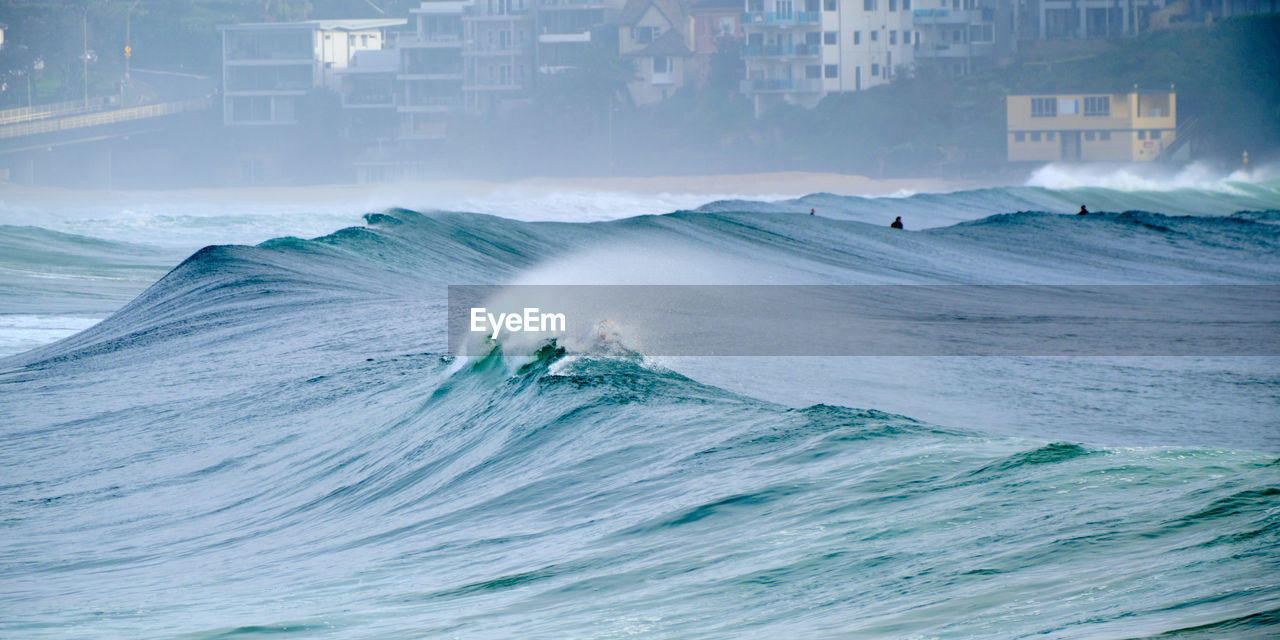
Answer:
(575, 4)
(801, 85)
(423, 70)
(411, 38)
(496, 48)
(511, 13)
(780, 18)
(368, 99)
(782, 50)
(432, 102)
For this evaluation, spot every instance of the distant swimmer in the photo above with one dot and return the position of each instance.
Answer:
(811, 212)
(1083, 211)
(897, 223)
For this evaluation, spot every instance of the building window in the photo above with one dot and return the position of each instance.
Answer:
(857, 37)
(981, 33)
(1019, 137)
(1142, 135)
(957, 35)
(868, 5)
(661, 64)
(829, 37)
(1099, 106)
(1088, 135)
(813, 71)
(893, 5)
(829, 5)
(875, 69)
(906, 5)
(893, 37)
(1049, 136)
(1155, 135)
(1044, 108)
(906, 37)
(831, 71)
(875, 35)
(643, 35)
(251, 109)
(364, 39)
(1035, 136)
(1104, 135)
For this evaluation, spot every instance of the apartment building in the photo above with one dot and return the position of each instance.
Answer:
(569, 31)
(960, 37)
(268, 67)
(798, 52)
(1085, 19)
(498, 58)
(432, 69)
(1138, 126)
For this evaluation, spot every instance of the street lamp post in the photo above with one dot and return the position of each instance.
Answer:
(85, 58)
(36, 65)
(128, 48)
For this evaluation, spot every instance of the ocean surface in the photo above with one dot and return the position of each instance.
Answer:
(236, 419)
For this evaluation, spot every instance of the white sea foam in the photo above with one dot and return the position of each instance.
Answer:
(1148, 177)
(20, 332)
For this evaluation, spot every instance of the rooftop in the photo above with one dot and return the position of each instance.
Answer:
(325, 25)
(1096, 92)
(634, 10)
(670, 43)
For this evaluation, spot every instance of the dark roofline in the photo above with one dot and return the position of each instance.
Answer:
(1045, 94)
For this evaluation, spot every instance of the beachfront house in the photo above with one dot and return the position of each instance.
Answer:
(1136, 126)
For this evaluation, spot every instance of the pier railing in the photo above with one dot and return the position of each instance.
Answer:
(49, 125)
(54, 110)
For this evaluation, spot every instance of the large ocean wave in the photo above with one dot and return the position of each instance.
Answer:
(269, 439)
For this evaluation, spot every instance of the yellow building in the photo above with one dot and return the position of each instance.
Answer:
(1101, 127)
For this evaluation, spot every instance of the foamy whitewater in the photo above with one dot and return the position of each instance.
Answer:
(215, 428)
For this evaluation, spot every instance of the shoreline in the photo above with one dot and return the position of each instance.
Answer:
(788, 184)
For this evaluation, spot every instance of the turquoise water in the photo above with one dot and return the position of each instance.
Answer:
(269, 440)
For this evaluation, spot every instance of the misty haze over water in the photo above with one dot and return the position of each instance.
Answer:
(228, 405)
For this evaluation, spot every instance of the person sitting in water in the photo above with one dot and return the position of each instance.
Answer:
(811, 212)
(1083, 211)
(897, 223)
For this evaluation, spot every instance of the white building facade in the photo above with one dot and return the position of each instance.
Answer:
(268, 67)
(798, 52)
(959, 37)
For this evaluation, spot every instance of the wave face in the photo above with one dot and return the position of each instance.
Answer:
(268, 441)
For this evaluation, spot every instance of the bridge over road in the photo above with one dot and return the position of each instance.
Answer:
(27, 133)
